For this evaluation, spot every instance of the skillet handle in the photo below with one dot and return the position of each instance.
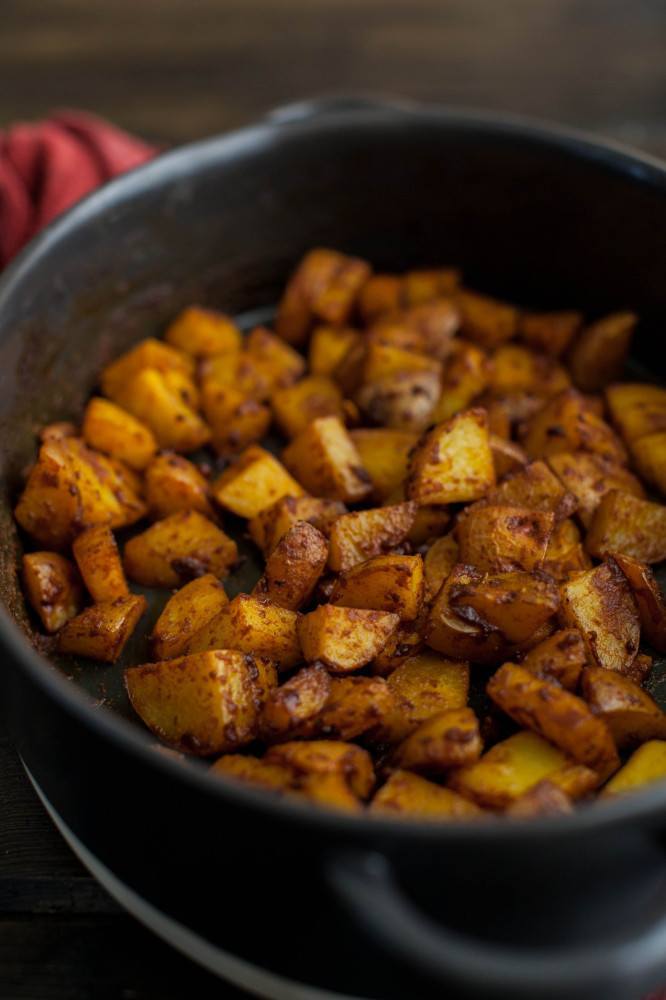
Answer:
(333, 104)
(366, 886)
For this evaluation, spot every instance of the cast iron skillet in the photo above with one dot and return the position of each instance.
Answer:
(565, 908)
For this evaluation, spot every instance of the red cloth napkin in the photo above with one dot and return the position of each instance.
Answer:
(45, 167)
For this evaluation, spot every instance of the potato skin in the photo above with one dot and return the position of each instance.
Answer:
(272, 523)
(297, 701)
(383, 583)
(535, 487)
(344, 639)
(359, 536)
(566, 423)
(453, 462)
(187, 611)
(448, 739)
(99, 564)
(629, 712)
(623, 523)
(178, 548)
(600, 604)
(514, 604)
(504, 538)
(101, 631)
(589, 477)
(413, 797)
(294, 567)
(53, 588)
(648, 596)
(450, 634)
(561, 657)
(599, 353)
(438, 562)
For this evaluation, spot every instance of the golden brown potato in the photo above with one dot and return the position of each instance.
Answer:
(151, 399)
(484, 320)
(565, 554)
(466, 375)
(561, 656)
(647, 764)
(381, 293)
(439, 560)
(514, 604)
(201, 704)
(53, 588)
(99, 563)
(178, 548)
(101, 631)
(640, 669)
(187, 611)
(649, 454)
(550, 332)
(174, 484)
(536, 487)
(406, 794)
(272, 523)
(517, 369)
(236, 419)
(383, 583)
(324, 459)
(406, 641)
(281, 363)
(557, 715)
(629, 712)
(184, 388)
(294, 567)
(324, 286)
(600, 604)
(299, 700)
(508, 457)
(426, 284)
(359, 708)
(429, 523)
(566, 423)
(452, 462)
(203, 332)
(503, 538)
(649, 599)
(57, 431)
(327, 757)
(637, 409)
(240, 767)
(448, 739)
(589, 477)
(344, 639)
(115, 432)
(366, 533)
(426, 327)
(404, 401)
(599, 353)
(384, 454)
(328, 346)
(296, 406)
(450, 634)
(381, 360)
(149, 353)
(252, 483)
(543, 799)
(428, 683)
(243, 372)
(623, 523)
(252, 625)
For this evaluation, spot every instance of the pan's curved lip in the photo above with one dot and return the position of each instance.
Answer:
(178, 164)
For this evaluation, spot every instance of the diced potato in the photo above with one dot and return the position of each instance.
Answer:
(429, 523)
(381, 293)
(243, 372)
(327, 757)
(407, 794)
(178, 548)
(629, 712)
(360, 707)
(344, 639)
(649, 599)
(486, 321)
(324, 459)
(589, 477)
(599, 353)
(99, 564)
(566, 423)
(203, 332)
(426, 328)
(428, 683)
(328, 346)
(649, 454)
(183, 387)
(384, 455)
(406, 641)
(543, 799)
(149, 353)
(236, 420)
(255, 481)
(439, 560)
(115, 432)
(384, 583)
(363, 534)
(550, 332)
(52, 587)
(296, 406)
(466, 375)
(241, 767)
(517, 369)
(647, 764)
(565, 555)
(57, 431)
(252, 625)
(294, 567)
(101, 631)
(382, 360)
(576, 780)
(280, 362)
(299, 700)
(201, 704)
(514, 604)
(453, 636)
(508, 457)
(148, 396)
(504, 538)
(637, 409)
(535, 486)
(623, 523)
(404, 401)
(187, 611)
(640, 669)
(557, 715)
(273, 523)
(174, 484)
(508, 770)
(561, 656)
(600, 604)
(324, 286)
(426, 284)
(448, 739)
(453, 462)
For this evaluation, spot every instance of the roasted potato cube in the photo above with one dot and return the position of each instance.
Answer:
(448, 739)
(567, 423)
(178, 548)
(115, 432)
(187, 611)
(204, 332)
(451, 635)
(326, 757)
(514, 604)
(426, 284)
(405, 642)
(281, 363)
(508, 457)
(57, 431)
(589, 477)
(637, 409)
(647, 764)
(101, 631)
(294, 567)
(508, 770)
(201, 704)
(649, 599)
(384, 454)
(148, 396)
(536, 487)
(243, 372)
(252, 625)
(241, 767)
(53, 588)
(600, 604)
(403, 401)
(453, 462)
(299, 700)
(543, 799)
(649, 454)
(255, 481)
(324, 459)
(640, 669)
(466, 375)
(429, 523)
(383, 583)
(599, 353)
(273, 523)
(183, 387)
(328, 346)
(517, 369)
(550, 332)
(428, 684)
(295, 407)
(174, 484)
(624, 523)
(381, 293)
(503, 538)
(149, 353)
(561, 656)
(565, 555)
(324, 286)
(382, 360)
(439, 560)
(344, 639)
(435, 319)
(557, 715)
(629, 712)
(484, 320)
(99, 564)
(361, 707)
(236, 420)
(363, 534)
(407, 794)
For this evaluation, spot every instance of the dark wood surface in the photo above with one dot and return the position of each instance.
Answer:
(177, 70)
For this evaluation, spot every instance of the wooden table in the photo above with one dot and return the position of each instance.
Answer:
(177, 70)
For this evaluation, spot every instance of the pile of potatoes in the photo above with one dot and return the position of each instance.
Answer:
(466, 489)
